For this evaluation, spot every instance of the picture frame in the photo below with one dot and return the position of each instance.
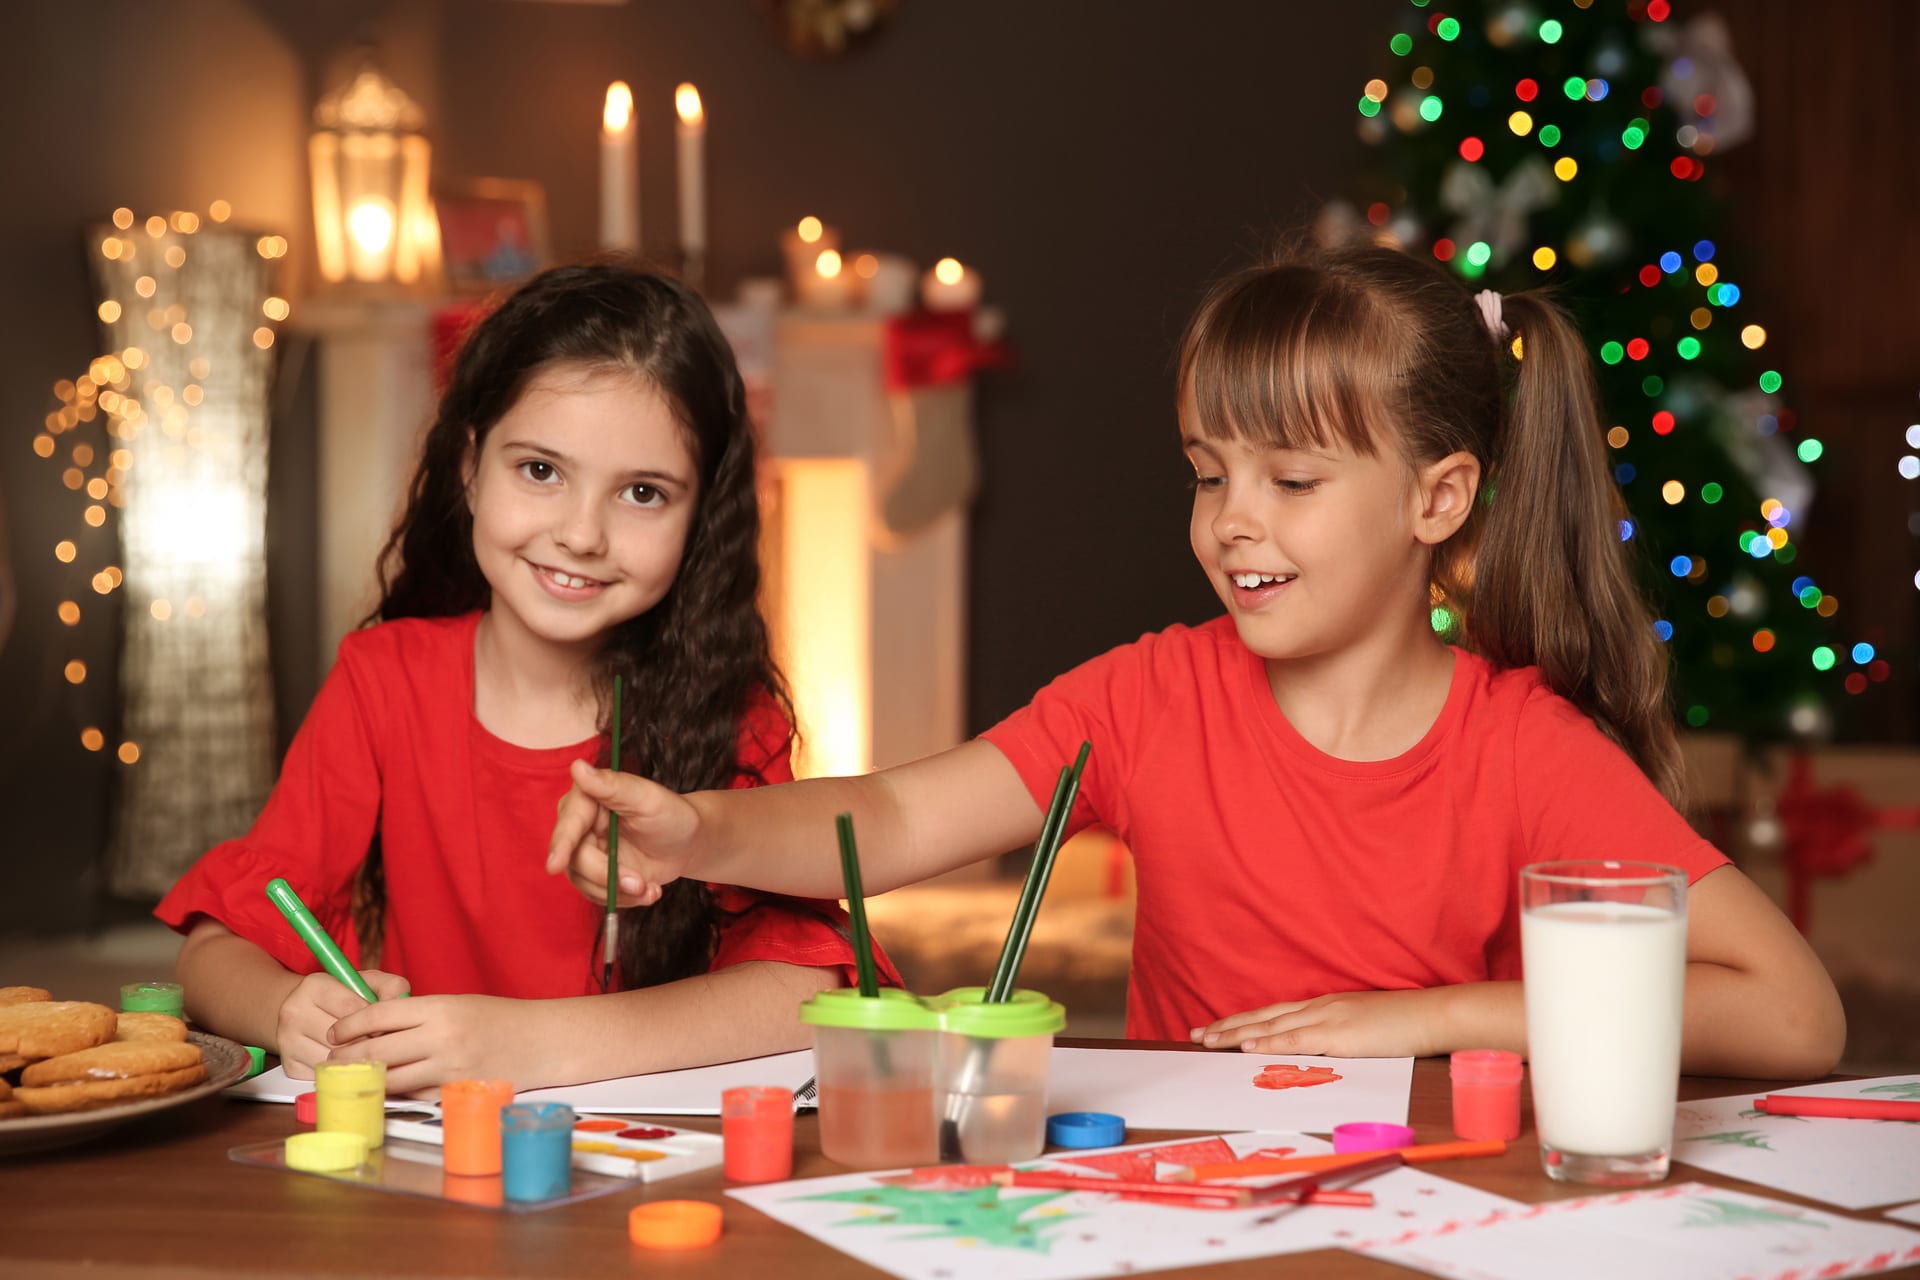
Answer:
(493, 232)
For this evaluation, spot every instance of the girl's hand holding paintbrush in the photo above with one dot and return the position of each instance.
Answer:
(657, 830)
(915, 821)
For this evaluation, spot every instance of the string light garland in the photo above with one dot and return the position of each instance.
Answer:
(161, 442)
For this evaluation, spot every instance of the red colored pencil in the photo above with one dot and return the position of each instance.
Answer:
(1780, 1104)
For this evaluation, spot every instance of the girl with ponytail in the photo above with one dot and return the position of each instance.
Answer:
(1328, 803)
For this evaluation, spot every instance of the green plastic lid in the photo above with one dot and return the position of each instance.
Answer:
(152, 997)
(1024, 1013)
(891, 1010)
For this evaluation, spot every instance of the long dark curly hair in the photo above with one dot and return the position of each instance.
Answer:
(691, 665)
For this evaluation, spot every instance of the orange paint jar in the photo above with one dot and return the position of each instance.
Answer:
(470, 1114)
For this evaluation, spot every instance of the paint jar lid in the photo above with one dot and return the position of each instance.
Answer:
(1086, 1129)
(963, 1011)
(536, 1117)
(152, 997)
(1370, 1136)
(306, 1108)
(1485, 1066)
(256, 1061)
(326, 1152)
(891, 1010)
(674, 1224)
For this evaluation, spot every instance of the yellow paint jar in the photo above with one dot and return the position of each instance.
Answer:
(352, 1098)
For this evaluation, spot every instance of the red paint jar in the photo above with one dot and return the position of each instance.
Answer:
(1486, 1095)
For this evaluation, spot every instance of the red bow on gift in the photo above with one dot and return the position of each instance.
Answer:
(937, 349)
(1825, 831)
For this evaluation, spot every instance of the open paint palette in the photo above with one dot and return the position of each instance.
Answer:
(610, 1153)
(618, 1146)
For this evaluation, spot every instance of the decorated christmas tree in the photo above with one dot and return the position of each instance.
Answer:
(1574, 143)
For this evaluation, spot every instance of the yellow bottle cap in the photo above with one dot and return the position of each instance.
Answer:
(325, 1152)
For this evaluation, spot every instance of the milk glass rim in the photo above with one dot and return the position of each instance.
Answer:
(1653, 873)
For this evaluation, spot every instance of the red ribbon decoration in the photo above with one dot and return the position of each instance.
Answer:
(451, 325)
(936, 349)
(1825, 831)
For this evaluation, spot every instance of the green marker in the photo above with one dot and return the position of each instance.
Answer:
(281, 894)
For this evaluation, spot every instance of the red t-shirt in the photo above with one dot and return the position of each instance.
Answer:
(391, 743)
(1269, 870)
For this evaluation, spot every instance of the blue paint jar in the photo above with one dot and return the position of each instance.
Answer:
(536, 1149)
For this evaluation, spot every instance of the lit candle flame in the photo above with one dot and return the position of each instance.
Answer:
(619, 111)
(686, 101)
(948, 271)
(827, 264)
(811, 229)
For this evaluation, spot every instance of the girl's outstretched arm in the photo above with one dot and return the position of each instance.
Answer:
(743, 1011)
(1758, 1003)
(913, 821)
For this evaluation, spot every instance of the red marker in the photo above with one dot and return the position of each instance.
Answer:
(1779, 1104)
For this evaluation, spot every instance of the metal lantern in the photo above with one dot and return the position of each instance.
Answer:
(370, 207)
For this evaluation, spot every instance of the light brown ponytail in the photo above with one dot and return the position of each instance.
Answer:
(1380, 351)
(1551, 586)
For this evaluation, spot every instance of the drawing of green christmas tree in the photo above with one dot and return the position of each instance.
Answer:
(1754, 1113)
(976, 1215)
(1731, 1213)
(1754, 1138)
(1908, 1089)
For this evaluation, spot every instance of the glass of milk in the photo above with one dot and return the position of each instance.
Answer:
(1604, 954)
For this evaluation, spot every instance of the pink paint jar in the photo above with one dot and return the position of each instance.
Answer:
(1486, 1095)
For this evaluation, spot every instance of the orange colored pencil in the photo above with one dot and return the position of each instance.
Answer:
(1426, 1153)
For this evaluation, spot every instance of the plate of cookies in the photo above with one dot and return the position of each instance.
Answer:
(71, 1069)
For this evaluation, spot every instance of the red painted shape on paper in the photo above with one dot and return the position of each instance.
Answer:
(1138, 1165)
(1284, 1075)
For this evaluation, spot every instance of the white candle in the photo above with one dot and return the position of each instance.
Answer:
(619, 172)
(829, 286)
(690, 136)
(888, 281)
(950, 287)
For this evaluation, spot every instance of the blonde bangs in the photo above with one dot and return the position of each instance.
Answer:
(1284, 357)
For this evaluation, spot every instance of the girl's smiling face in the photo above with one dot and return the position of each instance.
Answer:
(1311, 549)
(582, 496)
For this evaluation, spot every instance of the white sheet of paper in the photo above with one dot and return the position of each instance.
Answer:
(1855, 1164)
(1906, 1213)
(1168, 1089)
(986, 1234)
(1685, 1231)
(693, 1092)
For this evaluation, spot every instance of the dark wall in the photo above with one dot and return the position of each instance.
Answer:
(1096, 162)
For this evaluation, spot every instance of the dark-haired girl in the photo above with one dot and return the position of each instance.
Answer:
(584, 508)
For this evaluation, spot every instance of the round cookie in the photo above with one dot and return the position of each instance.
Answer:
(49, 1028)
(117, 1060)
(23, 995)
(84, 1095)
(150, 1026)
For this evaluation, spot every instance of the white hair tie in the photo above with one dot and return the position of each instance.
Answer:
(1489, 303)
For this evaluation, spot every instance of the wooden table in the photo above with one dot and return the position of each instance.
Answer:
(161, 1199)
